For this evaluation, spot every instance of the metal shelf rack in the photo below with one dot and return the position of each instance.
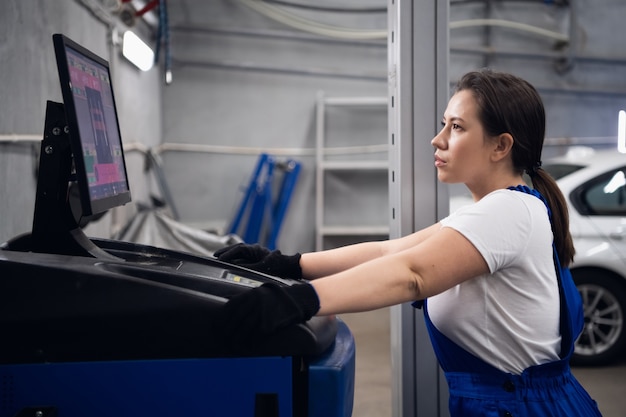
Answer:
(325, 166)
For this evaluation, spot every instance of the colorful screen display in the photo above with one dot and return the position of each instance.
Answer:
(98, 127)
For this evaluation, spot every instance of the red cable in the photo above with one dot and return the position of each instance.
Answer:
(151, 5)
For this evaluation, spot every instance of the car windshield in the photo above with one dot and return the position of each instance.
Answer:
(558, 171)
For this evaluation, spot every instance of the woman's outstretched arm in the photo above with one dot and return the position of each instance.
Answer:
(324, 263)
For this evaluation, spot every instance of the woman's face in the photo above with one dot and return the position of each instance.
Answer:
(461, 147)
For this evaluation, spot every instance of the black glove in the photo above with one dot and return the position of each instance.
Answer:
(263, 310)
(261, 259)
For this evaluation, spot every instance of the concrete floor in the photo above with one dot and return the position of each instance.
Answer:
(372, 394)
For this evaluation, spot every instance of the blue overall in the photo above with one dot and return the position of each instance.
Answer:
(479, 389)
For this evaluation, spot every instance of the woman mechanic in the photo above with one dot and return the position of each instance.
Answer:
(500, 306)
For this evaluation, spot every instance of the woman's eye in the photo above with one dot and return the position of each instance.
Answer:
(455, 126)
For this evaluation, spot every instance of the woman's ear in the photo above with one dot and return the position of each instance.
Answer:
(504, 144)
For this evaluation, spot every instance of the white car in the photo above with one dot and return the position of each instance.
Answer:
(594, 184)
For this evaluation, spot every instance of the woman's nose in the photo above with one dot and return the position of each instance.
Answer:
(437, 141)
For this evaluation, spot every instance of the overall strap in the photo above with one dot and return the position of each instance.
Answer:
(572, 317)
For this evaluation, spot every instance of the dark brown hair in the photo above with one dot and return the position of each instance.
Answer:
(509, 104)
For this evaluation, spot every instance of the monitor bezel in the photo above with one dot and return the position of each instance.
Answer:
(89, 206)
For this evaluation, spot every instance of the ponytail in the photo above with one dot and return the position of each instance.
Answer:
(549, 189)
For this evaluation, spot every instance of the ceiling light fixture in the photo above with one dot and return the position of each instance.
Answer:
(136, 51)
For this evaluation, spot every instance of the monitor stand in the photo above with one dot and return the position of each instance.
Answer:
(55, 229)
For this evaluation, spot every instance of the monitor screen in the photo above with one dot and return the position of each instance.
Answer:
(93, 127)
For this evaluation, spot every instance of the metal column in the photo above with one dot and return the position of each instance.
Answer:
(418, 95)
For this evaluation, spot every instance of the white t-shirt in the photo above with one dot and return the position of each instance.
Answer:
(510, 317)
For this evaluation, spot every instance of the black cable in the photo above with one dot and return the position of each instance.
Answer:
(163, 39)
(166, 36)
(327, 9)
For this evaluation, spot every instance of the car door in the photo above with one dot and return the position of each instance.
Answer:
(602, 202)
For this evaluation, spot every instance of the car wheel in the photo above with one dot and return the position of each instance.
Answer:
(604, 302)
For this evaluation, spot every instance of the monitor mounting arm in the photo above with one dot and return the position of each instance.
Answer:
(55, 229)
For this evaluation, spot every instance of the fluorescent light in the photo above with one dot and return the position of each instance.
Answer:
(621, 131)
(137, 52)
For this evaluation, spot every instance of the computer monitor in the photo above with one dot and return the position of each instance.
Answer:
(94, 131)
(81, 145)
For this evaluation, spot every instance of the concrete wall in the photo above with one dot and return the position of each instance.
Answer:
(246, 82)
(581, 80)
(235, 85)
(29, 79)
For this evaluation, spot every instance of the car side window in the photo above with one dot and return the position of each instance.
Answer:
(605, 195)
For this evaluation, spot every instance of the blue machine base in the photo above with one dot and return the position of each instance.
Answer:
(259, 386)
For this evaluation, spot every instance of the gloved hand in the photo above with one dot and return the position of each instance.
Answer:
(263, 310)
(261, 259)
